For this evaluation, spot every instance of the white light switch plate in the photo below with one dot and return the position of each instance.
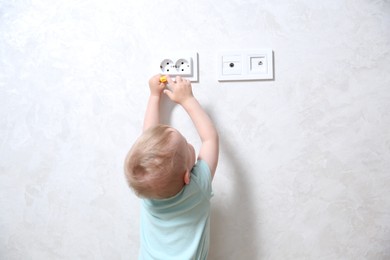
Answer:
(245, 65)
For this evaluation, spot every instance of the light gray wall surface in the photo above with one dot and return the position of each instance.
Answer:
(305, 158)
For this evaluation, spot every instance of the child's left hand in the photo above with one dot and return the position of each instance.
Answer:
(156, 87)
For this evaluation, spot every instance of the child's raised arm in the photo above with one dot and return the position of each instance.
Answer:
(152, 114)
(181, 93)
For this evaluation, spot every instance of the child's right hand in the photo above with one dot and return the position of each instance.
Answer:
(180, 91)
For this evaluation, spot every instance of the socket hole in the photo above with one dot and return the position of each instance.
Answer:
(231, 65)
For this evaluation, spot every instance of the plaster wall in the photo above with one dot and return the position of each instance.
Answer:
(305, 158)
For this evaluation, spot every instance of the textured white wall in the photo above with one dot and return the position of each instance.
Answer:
(305, 159)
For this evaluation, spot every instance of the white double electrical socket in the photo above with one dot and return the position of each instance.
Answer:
(245, 65)
(184, 64)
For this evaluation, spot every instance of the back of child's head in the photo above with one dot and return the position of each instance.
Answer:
(155, 165)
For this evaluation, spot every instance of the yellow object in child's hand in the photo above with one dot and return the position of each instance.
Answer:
(163, 79)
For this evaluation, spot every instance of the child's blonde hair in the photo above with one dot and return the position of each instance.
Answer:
(155, 165)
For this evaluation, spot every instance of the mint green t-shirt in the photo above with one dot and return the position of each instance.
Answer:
(179, 227)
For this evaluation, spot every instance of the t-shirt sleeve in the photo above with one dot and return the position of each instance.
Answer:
(201, 174)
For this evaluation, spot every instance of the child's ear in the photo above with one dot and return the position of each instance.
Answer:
(187, 177)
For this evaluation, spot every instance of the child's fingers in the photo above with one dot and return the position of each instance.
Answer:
(168, 93)
(170, 81)
(179, 79)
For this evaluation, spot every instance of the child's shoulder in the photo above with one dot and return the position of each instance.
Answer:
(201, 176)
